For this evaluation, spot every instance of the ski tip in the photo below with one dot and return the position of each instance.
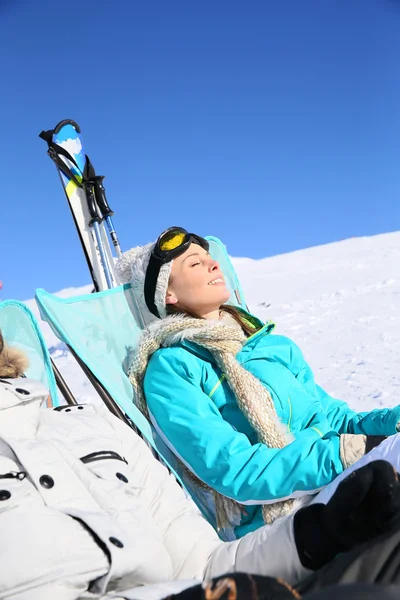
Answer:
(62, 124)
(47, 136)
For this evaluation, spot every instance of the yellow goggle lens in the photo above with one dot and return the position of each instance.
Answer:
(172, 240)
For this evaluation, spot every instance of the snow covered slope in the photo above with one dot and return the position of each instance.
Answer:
(339, 302)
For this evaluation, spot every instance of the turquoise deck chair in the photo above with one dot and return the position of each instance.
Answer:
(100, 329)
(21, 330)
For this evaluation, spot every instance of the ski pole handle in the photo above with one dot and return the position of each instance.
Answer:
(100, 194)
(95, 217)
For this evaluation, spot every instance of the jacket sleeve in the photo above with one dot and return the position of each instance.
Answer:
(222, 457)
(340, 416)
(380, 421)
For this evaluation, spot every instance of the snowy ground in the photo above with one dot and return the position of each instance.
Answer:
(340, 303)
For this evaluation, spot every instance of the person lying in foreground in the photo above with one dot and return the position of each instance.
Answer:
(235, 403)
(86, 511)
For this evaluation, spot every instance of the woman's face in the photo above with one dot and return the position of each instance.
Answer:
(197, 284)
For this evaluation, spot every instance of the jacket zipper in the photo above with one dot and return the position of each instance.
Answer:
(14, 475)
(290, 414)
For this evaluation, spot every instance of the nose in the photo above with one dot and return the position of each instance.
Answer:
(213, 266)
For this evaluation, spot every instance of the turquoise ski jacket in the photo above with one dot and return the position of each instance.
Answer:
(196, 413)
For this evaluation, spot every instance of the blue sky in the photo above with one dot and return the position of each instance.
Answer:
(273, 125)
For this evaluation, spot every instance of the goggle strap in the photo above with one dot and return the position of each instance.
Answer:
(150, 283)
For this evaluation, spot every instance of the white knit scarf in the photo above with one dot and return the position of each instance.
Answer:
(223, 339)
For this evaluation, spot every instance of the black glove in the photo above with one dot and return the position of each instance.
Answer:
(365, 505)
(373, 441)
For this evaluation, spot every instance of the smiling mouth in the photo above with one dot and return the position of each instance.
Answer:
(216, 281)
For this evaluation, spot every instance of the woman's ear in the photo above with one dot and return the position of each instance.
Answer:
(170, 298)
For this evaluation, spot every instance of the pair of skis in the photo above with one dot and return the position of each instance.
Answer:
(87, 201)
(93, 220)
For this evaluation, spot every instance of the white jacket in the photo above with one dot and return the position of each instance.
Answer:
(86, 511)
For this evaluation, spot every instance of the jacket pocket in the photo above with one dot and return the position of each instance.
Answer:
(102, 455)
(107, 465)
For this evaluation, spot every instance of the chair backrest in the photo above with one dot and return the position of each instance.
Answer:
(102, 329)
(20, 329)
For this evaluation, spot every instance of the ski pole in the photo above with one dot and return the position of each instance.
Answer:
(95, 220)
(106, 211)
(102, 203)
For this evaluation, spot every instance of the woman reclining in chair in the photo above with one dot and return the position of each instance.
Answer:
(86, 511)
(235, 403)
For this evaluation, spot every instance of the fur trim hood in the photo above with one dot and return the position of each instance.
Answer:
(13, 362)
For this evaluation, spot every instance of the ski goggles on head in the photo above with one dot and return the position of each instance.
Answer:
(171, 243)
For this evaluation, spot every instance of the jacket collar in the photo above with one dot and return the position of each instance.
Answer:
(20, 406)
(21, 391)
